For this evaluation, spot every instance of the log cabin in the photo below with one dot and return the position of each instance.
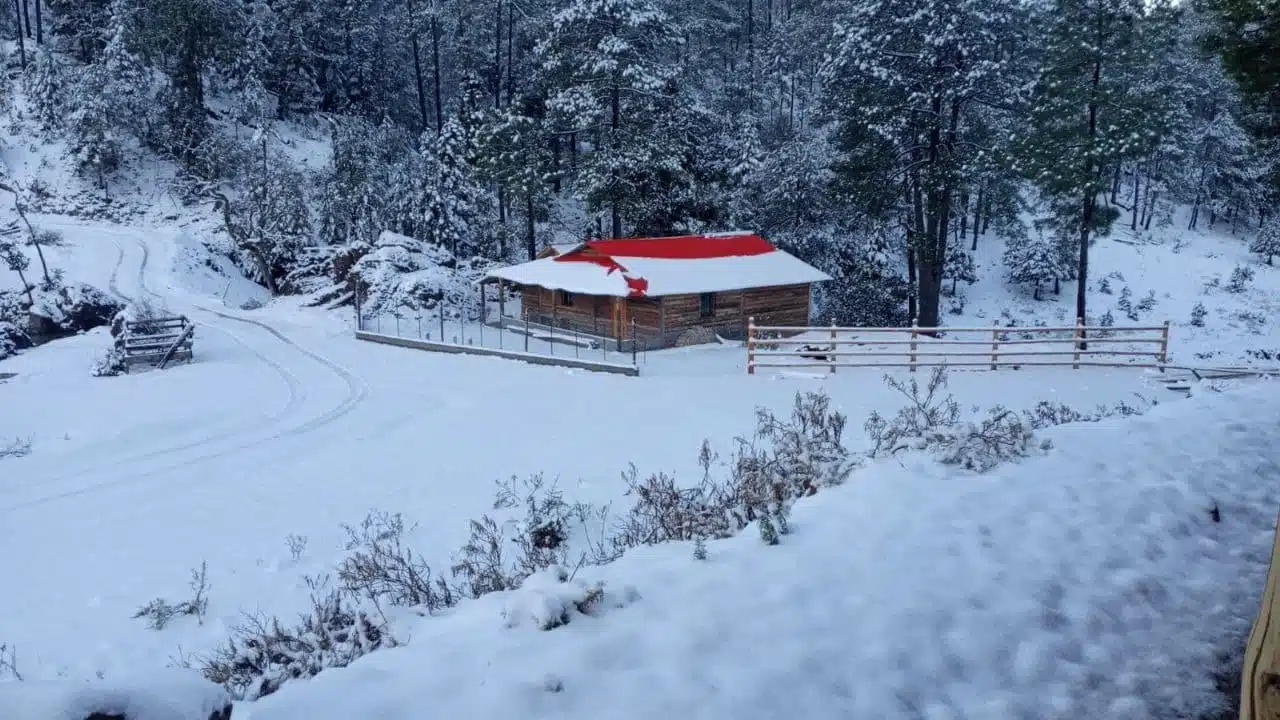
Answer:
(663, 291)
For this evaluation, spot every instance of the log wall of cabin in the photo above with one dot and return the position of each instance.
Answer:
(587, 314)
(781, 305)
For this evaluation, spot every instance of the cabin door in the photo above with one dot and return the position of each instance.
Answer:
(619, 318)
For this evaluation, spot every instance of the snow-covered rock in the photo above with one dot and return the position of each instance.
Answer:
(403, 274)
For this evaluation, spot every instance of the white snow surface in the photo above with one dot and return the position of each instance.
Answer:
(153, 695)
(1088, 583)
(666, 277)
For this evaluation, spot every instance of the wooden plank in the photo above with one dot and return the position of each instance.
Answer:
(1260, 680)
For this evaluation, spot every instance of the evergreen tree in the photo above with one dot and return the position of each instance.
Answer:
(46, 88)
(1090, 108)
(93, 139)
(607, 64)
(1267, 241)
(902, 81)
(1035, 260)
(959, 267)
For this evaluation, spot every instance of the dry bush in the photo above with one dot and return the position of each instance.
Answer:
(926, 411)
(262, 654)
(382, 568)
(159, 612)
(17, 448)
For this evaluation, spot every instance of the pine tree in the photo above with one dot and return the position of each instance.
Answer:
(902, 81)
(1034, 260)
(1267, 242)
(452, 203)
(93, 140)
(609, 66)
(959, 267)
(47, 89)
(1090, 109)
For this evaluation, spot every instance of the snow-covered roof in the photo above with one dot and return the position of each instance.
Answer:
(653, 267)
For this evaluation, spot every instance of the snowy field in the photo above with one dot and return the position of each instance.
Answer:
(1098, 562)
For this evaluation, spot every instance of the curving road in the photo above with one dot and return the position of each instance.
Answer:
(317, 392)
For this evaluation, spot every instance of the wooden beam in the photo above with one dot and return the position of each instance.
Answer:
(1260, 681)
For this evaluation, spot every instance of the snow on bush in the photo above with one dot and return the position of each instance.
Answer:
(171, 694)
(382, 568)
(159, 612)
(931, 422)
(263, 654)
(401, 273)
(551, 598)
(17, 447)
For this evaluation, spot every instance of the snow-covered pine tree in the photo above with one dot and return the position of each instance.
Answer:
(46, 83)
(92, 139)
(451, 207)
(1089, 109)
(1034, 260)
(606, 64)
(959, 266)
(515, 156)
(902, 80)
(1267, 242)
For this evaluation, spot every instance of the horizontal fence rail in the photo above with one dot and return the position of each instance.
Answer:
(157, 341)
(993, 347)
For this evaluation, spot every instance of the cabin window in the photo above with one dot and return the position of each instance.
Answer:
(707, 304)
(564, 298)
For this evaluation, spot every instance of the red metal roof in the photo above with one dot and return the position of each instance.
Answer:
(678, 247)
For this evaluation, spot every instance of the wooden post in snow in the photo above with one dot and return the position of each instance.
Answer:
(1164, 345)
(915, 332)
(751, 345)
(1260, 681)
(995, 341)
(831, 357)
(1075, 359)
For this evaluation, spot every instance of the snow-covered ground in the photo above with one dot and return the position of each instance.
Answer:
(1089, 583)
(285, 425)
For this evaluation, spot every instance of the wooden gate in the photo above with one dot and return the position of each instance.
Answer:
(157, 341)
(1260, 681)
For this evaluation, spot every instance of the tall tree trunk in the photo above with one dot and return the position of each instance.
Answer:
(1137, 183)
(26, 15)
(530, 240)
(511, 52)
(977, 214)
(22, 46)
(1115, 182)
(435, 67)
(417, 66)
(39, 25)
(615, 114)
(497, 55)
(1089, 203)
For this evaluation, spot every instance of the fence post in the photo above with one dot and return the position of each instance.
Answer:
(634, 361)
(526, 329)
(574, 329)
(419, 324)
(751, 345)
(831, 357)
(1075, 359)
(1164, 345)
(914, 334)
(440, 312)
(995, 345)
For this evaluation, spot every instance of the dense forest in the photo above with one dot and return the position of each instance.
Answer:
(880, 139)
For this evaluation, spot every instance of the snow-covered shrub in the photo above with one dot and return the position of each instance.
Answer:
(1198, 314)
(12, 339)
(159, 612)
(931, 422)
(981, 446)
(927, 410)
(9, 662)
(1046, 414)
(17, 447)
(1125, 303)
(1104, 285)
(785, 459)
(1148, 302)
(402, 272)
(263, 654)
(382, 568)
(1241, 276)
(111, 364)
(551, 598)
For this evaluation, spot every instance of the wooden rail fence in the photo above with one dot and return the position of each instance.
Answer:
(157, 341)
(992, 347)
(1260, 678)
